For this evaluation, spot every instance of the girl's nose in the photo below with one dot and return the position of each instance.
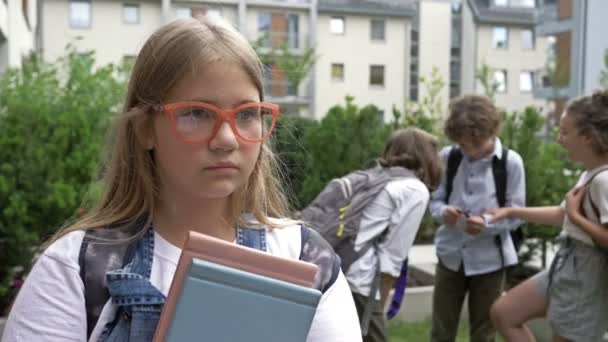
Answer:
(224, 138)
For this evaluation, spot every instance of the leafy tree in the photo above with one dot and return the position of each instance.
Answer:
(53, 118)
(549, 175)
(485, 76)
(296, 64)
(292, 153)
(347, 138)
(427, 113)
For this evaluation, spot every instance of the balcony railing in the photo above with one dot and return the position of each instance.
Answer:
(276, 40)
(548, 86)
(284, 92)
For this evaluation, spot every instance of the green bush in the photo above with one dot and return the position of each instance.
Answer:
(292, 153)
(53, 118)
(346, 139)
(548, 172)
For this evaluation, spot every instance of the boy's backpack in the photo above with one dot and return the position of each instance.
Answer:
(337, 211)
(499, 171)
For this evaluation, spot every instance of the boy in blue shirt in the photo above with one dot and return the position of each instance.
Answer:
(473, 253)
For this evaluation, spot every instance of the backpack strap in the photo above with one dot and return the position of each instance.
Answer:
(106, 249)
(499, 170)
(594, 207)
(454, 159)
(317, 251)
(102, 250)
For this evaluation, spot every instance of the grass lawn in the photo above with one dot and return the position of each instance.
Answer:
(420, 331)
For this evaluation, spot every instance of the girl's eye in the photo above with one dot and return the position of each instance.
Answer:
(248, 114)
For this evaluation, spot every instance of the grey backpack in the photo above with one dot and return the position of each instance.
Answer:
(337, 211)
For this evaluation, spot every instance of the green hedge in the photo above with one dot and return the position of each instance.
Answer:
(53, 118)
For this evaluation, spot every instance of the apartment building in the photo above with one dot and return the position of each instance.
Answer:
(17, 31)
(373, 50)
(501, 34)
(576, 30)
(364, 52)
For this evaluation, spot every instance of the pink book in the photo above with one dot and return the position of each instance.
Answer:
(232, 255)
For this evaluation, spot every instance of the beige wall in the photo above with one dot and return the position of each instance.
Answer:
(357, 52)
(108, 35)
(435, 43)
(468, 50)
(514, 59)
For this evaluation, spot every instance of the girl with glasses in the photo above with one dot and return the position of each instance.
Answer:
(190, 152)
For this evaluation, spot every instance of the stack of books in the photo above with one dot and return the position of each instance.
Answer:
(225, 292)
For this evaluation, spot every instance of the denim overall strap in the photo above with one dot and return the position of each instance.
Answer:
(251, 237)
(139, 302)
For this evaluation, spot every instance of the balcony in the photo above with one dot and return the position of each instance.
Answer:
(284, 93)
(267, 41)
(281, 3)
(548, 86)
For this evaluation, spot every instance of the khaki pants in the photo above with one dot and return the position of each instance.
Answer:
(450, 290)
(377, 324)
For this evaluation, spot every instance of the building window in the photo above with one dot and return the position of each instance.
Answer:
(523, 3)
(337, 72)
(337, 25)
(528, 40)
(80, 14)
(378, 29)
(525, 81)
(214, 13)
(500, 38)
(515, 3)
(278, 29)
(264, 20)
(376, 75)
(130, 14)
(293, 31)
(183, 12)
(500, 79)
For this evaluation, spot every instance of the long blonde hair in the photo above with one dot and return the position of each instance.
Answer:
(130, 182)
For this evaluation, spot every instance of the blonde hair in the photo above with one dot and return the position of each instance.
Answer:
(130, 182)
(416, 150)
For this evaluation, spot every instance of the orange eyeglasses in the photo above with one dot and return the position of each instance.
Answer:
(198, 122)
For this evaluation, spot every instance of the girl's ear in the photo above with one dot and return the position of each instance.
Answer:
(143, 125)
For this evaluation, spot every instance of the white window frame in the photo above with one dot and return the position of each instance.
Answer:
(502, 88)
(371, 67)
(526, 73)
(125, 18)
(74, 21)
(334, 21)
(371, 30)
(331, 72)
(495, 40)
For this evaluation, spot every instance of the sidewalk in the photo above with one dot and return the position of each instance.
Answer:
(423, 257)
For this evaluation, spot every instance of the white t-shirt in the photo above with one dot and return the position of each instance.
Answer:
(399, 207)
(51, 307)
(599, 192)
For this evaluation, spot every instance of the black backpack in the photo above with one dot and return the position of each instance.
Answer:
(499, 171)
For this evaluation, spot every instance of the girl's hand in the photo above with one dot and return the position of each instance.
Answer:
(574, 202)
(498, 213)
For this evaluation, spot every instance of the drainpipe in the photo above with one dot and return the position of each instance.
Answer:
(165, 11)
